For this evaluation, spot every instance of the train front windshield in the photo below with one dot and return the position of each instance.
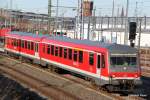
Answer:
(123, 61)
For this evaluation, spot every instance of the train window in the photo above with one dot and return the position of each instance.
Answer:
(12, 42)
(36, 47)
(48, 49)
(32, 45)
(70, 53)
(52, 49)
(80, 56)
(25, 44)
(123, 61)
(28, 45)
(75, 55)
(56, 51)
(103, 61)
(15, 42)
(22, 43)
(60, 51)
(19, 43)
(65, 52)
(91, 58)
(98, 61)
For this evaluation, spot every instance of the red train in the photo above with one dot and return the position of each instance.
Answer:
(109, 65)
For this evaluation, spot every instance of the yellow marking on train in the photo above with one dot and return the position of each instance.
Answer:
(78, 49)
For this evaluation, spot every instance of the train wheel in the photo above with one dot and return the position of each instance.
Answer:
(93, 82)
(109, 88)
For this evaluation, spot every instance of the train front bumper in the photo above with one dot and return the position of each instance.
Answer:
(118, 81)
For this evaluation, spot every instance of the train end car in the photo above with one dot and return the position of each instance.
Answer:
(124, 69)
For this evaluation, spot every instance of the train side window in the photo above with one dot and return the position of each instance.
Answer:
(12, 42)
(65, 52)
(22, 43)
(28, 46)
(80, 56)
(52, 49)
(25, 44)
(15, 42)
(70, 53)
(56, 51)
(32, 45)
(60, 51)
(75, 55)
(48, 49)
(103, 61)
(36, 47)
(98, 61)
(91, 58)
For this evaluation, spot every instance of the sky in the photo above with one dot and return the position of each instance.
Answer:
(103, 7)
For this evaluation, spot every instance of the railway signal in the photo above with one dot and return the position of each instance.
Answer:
(132, 30)
(132, 33)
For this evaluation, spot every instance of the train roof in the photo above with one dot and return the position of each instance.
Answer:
(112, 47)
(29, 34)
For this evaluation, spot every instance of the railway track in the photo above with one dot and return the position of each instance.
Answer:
(50, 92)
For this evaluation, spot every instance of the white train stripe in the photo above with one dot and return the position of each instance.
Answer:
(75, 69)
(24, 54)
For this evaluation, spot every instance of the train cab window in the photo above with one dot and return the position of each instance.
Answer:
(32, 45)
(65, 52)
(91, 58)
(80, 56)
(98, 61)
(56, 51)
(70, 54)
(60, 51)
(48, 49)
(52, 49)
(103, 61)
(75, 55)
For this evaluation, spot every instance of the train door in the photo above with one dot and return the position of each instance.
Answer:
(36, 50)
(98, 68)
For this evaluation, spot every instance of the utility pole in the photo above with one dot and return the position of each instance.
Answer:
(112, 20)
(82, 20)
(49, 14)
(139, 42)
(140, 31)
(78, 19)
(126, 25)
(11, 3)
(56, 22)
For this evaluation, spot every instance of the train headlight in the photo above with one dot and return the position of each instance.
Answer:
(136, 75)
(113, 76)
